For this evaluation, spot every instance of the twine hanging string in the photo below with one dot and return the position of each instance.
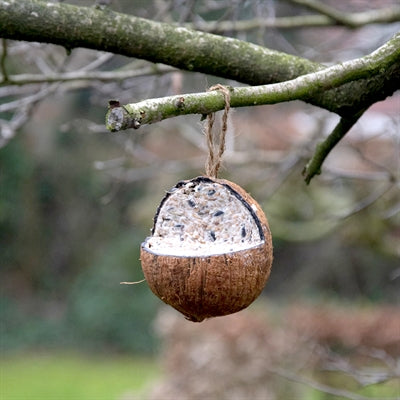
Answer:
(215, 150)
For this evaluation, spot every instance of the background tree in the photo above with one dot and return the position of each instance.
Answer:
(76, 200)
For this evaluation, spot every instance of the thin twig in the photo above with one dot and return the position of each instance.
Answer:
(132, 283)
(377, 176)
(364, 376)
(316, 385)
(9, 128)
(3, 61)
(97, 62)
(366, 202)
(352, 20)
(355, 20)
(87, 75)
(25, 101)
(24, 108)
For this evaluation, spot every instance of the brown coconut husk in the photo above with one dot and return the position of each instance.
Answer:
(202, 287)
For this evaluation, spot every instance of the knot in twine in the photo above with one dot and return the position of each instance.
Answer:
(216, 149)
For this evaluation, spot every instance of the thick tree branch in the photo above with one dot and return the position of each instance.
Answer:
(149, 111)
(71, 26)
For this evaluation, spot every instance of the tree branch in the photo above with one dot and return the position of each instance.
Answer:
(304, 87)
(316, 385)
(352, 20)
(83, 75)
(72, 26)
(355, 20)
(3, 57)
(323, 149)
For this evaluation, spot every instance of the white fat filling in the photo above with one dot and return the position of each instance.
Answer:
(200, 219)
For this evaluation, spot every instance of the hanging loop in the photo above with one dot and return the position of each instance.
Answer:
(216, 148)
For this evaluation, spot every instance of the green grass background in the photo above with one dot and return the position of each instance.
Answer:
(75, 377)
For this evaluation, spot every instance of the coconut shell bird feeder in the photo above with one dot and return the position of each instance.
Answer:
(210, 249)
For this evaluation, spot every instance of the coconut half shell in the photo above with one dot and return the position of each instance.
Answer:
(209, 285)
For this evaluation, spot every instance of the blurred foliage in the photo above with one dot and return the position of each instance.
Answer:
(64, 252)
(107, 313)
